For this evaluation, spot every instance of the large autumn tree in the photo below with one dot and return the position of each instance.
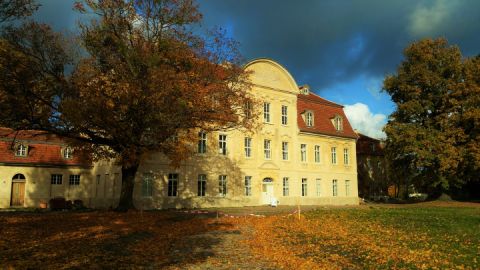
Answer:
(433, 136)
(145, 83)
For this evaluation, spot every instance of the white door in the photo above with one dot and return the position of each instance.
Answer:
(267, 193)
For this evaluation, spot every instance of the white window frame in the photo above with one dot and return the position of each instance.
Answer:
(222, 144)
(334, 155)
(201, 185)
(202, 142)
(284, 115)
(318, 185)
(338, 123)
(267, 149)
(147, 185)
(317, 153)
(345, 156)
(248, 147)
(21, 150)
(286, 186)
(248, 186)
(56, 179)
(67, 153)
(309, 119)
(222, 185)
(74, 180)
(285, 150)
(172, 186)
(303, 152)
(304, 187)
(266, 112)
(334, 187)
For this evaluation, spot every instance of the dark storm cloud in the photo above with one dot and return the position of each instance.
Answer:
(325, 42)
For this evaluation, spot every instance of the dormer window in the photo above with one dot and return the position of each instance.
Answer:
(338, 122)
(309, 119)
(21, 150)
(67, 153)
(305, 89)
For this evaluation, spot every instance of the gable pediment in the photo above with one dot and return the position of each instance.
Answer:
(269, 165)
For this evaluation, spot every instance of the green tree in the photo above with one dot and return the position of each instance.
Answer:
(432, 137)
(147, 84)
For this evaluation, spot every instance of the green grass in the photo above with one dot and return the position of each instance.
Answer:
(452, 233)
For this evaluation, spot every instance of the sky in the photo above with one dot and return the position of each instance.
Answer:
(343, 49)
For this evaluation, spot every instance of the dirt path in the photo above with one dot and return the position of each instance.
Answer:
(224, 249)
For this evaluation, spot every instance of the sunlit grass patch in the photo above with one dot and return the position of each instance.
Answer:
(374, 238)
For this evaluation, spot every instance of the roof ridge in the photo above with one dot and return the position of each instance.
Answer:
(319, 99)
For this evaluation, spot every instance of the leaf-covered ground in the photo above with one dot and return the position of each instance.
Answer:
(421, 236)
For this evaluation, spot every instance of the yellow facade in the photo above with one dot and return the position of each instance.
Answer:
(271, 83)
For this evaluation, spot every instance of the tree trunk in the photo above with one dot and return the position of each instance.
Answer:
(128, 181)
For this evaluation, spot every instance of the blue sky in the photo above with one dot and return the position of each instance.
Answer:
(342, 49)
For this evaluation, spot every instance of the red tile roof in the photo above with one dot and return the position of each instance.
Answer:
(43, 149)
(324, 111)
(369, 146)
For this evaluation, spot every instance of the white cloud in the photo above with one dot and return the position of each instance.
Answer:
(363, 120)
(425, 21)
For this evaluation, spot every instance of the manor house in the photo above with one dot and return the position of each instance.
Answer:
(303, 153)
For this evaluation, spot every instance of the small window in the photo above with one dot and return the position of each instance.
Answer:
(202, 142)
(318, 184)
(222, 185)
(335, 187)
(222, 144)
(74, 180)
(285, 150)
(248, 186)
(67, 153)
(248, 147)
(317, 153)
(202, 185)
(248, 110)
(284, 115)
(347, 187)
(21, 150)
(286, 187)
(345, 156)
(56, 179)
(309, 119)
(147, 185)
(303, 152)
(305, 89)
(266, 112)
(334, 155)
(172, 185)
(338, 122)
(267, 149)
(304, 187)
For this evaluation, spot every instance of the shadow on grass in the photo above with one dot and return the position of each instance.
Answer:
(69, 240)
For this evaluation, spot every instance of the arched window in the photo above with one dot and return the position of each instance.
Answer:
(18, 177)
(268, 180)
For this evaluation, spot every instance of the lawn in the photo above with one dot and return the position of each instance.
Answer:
(421, 236)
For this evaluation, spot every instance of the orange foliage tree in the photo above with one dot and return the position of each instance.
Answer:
(146, 83)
